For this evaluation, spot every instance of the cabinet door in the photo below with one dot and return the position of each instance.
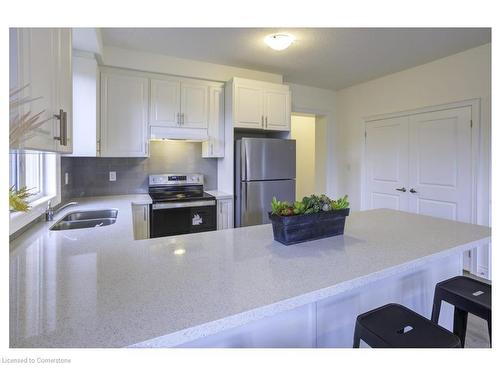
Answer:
(387, 164)
(194, 105)
(224, 214)
(140, 217)
(248, 107)
(85, 76)
(36, 63)
(277, 110)
(65, 88)
(214, 147)
(124, 105)
(164, 108)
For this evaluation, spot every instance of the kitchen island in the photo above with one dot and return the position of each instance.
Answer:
(98, 287)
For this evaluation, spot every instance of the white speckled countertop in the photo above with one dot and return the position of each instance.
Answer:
(100, 288)
(219, 194)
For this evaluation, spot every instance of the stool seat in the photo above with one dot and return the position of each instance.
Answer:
(396, 326)
(467, 295)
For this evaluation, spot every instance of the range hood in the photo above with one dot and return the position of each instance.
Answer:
(185, 134)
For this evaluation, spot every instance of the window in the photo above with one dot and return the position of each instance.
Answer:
(26, 169)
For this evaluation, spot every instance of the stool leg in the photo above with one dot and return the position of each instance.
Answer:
(356, 340)
(460, 324)
(436, 307)
(489, 329)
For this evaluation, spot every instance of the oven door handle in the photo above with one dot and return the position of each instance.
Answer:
(163, 206)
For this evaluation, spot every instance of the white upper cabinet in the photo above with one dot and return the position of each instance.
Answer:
(42, 62)
(194, 105)
(260, 105)
(124, 107)
(214, 146)
(65, 89)
(248, 106)
(165, 106)
(85, 124)
(178, 103)
(277, 109)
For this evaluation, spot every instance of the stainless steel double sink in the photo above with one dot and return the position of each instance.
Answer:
(86, 219)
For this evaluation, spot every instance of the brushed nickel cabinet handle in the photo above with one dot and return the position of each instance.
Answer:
(60, 117)
(403, 189)
(64, 134)
(266, 121)
(262, 120)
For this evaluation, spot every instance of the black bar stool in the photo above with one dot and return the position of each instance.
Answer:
(395, 326)
(468, 296)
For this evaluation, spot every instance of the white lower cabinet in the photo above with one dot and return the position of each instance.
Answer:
(140, 218)
(224, 213)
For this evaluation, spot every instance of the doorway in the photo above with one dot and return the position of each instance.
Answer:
(309, 132)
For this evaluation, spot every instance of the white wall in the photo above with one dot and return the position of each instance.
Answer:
(321, 102)
(157, 63)
(303, 131)
(463, 76)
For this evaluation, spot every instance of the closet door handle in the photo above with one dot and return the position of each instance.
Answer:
(262, 120)
(403, 189)
(266, 122)
(413, 191)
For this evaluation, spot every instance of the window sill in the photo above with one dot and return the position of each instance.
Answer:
(20, 219)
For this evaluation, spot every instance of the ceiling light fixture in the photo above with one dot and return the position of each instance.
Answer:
(180, 251)
(279, 41)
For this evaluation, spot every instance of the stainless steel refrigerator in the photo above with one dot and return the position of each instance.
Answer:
(264, 168)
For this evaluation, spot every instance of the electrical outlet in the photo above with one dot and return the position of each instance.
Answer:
(112, 176)
(66, 178)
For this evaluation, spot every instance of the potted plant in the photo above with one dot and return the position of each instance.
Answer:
(314, 217)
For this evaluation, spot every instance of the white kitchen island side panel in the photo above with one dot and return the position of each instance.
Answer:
(329, 323)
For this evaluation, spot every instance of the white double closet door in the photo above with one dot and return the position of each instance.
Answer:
(421, 163)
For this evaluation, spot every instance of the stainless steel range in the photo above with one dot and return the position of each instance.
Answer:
(180, 205)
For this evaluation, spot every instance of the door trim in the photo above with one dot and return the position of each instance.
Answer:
(474, 104)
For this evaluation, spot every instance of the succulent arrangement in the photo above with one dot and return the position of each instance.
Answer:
(308, 205)
(21, 128)
(18, 199)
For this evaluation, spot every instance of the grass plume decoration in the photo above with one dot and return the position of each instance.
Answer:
(23, 126)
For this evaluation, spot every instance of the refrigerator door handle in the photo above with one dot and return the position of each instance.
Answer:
(244, 197)
(243, 162)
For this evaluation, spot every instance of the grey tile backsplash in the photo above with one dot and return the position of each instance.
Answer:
(89, 176)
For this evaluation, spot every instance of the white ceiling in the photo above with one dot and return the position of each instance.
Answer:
(331, 58)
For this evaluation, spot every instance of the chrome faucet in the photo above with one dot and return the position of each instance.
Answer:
(50, 212)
